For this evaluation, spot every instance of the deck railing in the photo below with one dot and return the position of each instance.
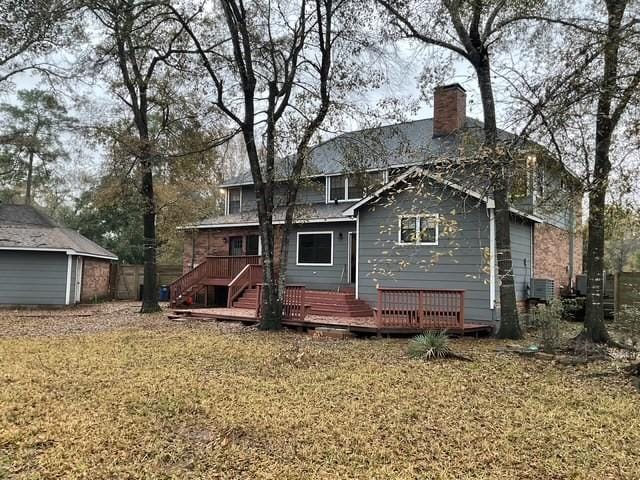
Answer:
(229, 267)
(293, 306)
(248, 277)
(212, 267)
(420, 309)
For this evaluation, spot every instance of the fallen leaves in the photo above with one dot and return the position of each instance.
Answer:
(141, 397)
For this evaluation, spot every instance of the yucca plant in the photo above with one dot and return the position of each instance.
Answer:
(431, 345)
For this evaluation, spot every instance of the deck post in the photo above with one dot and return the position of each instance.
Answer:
(379, 312)
(258, 299)
(421, 307)
(461, 310)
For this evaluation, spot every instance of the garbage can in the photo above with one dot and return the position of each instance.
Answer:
(164, 293)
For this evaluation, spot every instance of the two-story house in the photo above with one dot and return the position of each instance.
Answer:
(374, 213)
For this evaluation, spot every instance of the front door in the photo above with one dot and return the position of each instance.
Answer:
(352, 256)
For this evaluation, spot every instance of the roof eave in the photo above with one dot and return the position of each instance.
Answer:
(68, 251)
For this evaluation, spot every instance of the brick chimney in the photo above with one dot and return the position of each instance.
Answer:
(449, 109)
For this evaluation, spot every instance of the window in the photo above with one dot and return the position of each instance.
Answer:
(235, 246)
(234, 196)
(418, 230)
(355, 186)
(253, 245)
(315, 248)
(337, 188)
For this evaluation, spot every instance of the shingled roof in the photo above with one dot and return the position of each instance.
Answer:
(401, 144)
(313, 213)
(24, 227)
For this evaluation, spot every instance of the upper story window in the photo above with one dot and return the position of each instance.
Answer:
(525, 179)
(354, 186)
(418, 229)
(234, 200)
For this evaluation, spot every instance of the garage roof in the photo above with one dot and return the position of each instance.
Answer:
(23, 227)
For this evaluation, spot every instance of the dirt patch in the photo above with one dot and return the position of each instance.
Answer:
(77, 320)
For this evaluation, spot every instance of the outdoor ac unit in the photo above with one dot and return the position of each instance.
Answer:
(542, 289)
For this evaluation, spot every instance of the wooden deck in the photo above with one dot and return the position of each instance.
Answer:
(352, 324)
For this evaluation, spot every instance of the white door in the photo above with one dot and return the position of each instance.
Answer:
(78, 285)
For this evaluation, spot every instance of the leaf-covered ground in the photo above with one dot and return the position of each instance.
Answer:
(120, 396)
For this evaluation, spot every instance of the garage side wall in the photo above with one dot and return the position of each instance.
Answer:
(33, 278)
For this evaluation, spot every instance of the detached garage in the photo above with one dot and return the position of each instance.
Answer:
(43, 263)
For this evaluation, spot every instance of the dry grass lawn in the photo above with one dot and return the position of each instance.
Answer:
(113, 395)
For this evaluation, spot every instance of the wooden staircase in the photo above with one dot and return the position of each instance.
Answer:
(320, 303)
(213, 271)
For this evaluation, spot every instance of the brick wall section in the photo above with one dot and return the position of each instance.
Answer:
(95, 279)
(449, 109)
(215, 241)
(551, 254)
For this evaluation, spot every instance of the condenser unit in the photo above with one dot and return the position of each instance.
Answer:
(542, 289)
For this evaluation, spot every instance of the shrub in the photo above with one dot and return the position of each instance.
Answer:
(548, 318)
(429, 346)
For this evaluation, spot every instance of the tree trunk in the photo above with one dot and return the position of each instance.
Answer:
(594, 326)
(271, 293)
(509, 324)
(27, 195)
(150, 291)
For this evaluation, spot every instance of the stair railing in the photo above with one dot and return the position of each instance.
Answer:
(248, 277)
(186, 281)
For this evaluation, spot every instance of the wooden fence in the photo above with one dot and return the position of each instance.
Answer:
(626, 289)
(126, 280)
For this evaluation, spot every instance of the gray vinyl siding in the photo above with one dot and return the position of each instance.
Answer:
(33, 278)
(321, 277)
(521, 256)
(459, 261)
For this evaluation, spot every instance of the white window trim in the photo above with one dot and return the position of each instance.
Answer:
(226, 200)
(385, 179)
(313, 264)
(418, 216)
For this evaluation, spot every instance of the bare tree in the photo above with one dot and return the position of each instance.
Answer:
(618, 85)
(270, 64)
(580, 102)
(472, 30)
